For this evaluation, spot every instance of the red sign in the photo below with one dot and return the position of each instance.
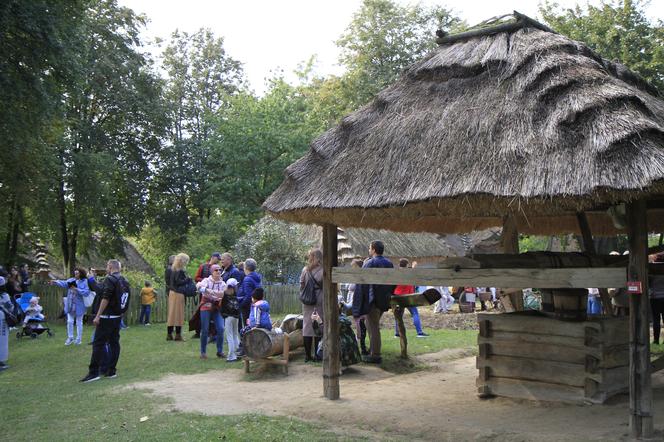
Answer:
(634, 287)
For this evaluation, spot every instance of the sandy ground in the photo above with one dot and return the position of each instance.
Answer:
(436, 404)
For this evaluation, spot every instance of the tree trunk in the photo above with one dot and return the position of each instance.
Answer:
(64, 237)
(73, 243)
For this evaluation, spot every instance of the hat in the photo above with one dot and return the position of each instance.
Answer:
(216, 255)
(232, 282)
(34, 299)
(3, 281)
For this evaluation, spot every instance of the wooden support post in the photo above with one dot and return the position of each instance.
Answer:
(331, 360)
(510, 238)
(510, 245)
(589, 248)
(403, 340)
(640, 389)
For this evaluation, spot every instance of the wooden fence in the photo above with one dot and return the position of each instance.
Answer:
(283, 299)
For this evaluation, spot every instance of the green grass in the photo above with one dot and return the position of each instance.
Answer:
(42, 398)
(437, 341)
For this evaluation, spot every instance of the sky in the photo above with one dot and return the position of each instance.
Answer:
(270, 35)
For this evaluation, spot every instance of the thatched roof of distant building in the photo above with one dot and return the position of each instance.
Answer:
(511, 119)
(354, 242)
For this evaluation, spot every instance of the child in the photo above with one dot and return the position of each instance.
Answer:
(147, 299)
(34, 311)
(230, 311)
(259, 316)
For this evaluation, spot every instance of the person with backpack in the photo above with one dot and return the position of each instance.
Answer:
(311, 296)
(372, 300)
(230, 311)
(114, 295)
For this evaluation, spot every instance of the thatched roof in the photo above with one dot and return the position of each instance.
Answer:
(355, 241)
(522, 121)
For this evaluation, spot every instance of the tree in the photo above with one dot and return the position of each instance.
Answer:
(37, 58)
(617, 30)
(254, 140)
(279, 247)
(201, 77)
(109, 131)
(383, 39)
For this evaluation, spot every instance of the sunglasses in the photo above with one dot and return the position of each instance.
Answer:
(216, 270)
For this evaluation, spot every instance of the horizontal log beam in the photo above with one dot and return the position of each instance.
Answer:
(601, 277)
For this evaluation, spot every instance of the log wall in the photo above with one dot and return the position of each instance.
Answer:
(530, 356)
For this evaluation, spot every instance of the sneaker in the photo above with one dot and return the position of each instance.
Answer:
(90, 378)
(147, 324)
(111, 374)
(77, 342)
(422, 335)
(69, 341)
(396, 335)
(3, 366)
(232, 360)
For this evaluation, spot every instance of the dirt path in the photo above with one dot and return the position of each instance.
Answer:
(437, 404)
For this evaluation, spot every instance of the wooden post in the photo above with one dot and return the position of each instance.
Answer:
(398, 316)
(510, 244)
(331, 360)
(589, 248)
(640, 389)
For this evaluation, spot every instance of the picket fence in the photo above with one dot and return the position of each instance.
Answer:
(283, 299)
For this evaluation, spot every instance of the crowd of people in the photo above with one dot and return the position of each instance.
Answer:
(231, 300)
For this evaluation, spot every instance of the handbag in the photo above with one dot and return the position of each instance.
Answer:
(188, 289)
(10, 318)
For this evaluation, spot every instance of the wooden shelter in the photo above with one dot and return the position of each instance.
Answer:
(510, 125)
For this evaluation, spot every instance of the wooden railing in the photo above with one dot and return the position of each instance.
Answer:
(283, 299)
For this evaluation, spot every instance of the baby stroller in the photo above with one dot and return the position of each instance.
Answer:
(34, 327)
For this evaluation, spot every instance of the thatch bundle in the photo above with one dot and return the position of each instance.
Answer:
(525, 121)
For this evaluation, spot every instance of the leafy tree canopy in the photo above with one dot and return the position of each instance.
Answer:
(617, 30)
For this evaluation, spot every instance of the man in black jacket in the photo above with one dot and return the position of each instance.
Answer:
(114, 297)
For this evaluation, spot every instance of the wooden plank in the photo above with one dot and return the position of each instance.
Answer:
(507, 336)
(331, 359)
(535, 370)
(517, 278)
(544, 352)
(532, 390)
(618, 376)
(536, 325)
(640, 389)
(615, 331)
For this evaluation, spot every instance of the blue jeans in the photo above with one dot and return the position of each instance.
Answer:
(416, 321)
(205, 328)
(145, 313)
(594, 306)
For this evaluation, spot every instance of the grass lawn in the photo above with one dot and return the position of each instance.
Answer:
(43, 400)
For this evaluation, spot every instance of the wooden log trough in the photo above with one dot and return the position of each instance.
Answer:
(262, 345)
(530, 356)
